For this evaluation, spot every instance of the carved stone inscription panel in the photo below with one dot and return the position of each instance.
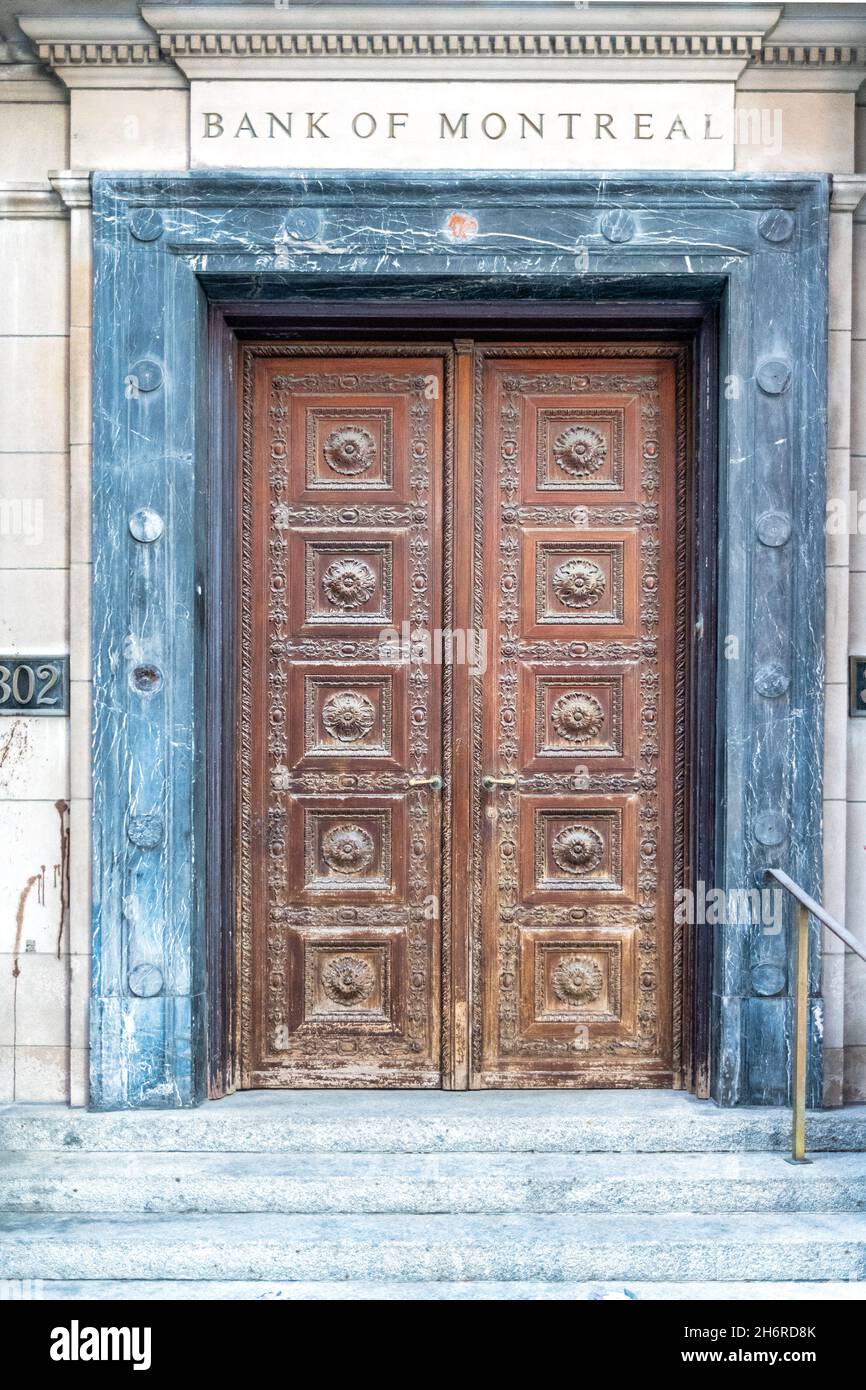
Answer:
(580, 579)
(340, 852)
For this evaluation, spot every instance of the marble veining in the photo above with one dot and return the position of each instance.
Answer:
(166, 244)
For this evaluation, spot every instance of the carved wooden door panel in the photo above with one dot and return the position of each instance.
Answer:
(578, 575)
(340, 844)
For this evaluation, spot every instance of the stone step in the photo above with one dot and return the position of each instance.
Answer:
(413, 1248)
(431, 1122)
(189, 1290)
(448, 1182)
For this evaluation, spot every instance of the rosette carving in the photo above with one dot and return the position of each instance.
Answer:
(578, 583)
(577, 716)
(577, 981)
(348, 583)
(348, 716)
(580, 450)
(348, 980)
(578, 849)
(348, 849)
(350, 450)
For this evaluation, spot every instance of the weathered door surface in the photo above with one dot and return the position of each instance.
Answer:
(340, 852)
(534, 945)
(579, 833)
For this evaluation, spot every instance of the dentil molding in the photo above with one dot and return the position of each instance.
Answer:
(761, 47)
(104, 52)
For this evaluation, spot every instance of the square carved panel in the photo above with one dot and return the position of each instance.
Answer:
(348, 583)
(334, 982)
(579, 582)
(352, 849)
(351, 711)
(577, 712)
(570, 583)
(348, 717)
(580, 848)
(579, 449)
(347, 850)
(579, 446)
(347, 981)
(584, 845)
(578, 981)
(350, 433)
(579, 716)
(349, 448)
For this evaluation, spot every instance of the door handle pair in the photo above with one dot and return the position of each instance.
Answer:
(488, 782)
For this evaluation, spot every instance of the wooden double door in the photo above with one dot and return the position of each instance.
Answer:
(462, 705)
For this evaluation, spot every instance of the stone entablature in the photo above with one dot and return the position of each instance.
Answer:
(170, 46)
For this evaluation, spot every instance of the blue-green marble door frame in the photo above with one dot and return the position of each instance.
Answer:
(166, 244)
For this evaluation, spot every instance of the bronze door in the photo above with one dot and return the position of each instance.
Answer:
(515, 927)
(579, 824)
(341, 744)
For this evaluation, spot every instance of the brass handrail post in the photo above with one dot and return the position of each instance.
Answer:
(806, 907)
(801, 1036)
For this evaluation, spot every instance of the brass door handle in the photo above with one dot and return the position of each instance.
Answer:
(434, 782)
(490, 783)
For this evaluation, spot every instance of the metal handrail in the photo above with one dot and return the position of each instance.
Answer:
(806, 908)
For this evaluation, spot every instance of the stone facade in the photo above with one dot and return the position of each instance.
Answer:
(81, 96)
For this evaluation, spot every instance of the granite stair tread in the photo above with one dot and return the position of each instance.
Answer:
(222, 1291)
(411, 1247)
(561, 1121)
(223, 1182)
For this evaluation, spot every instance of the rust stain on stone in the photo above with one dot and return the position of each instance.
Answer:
(19, 921)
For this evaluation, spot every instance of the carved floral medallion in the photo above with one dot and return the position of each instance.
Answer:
(348, 716)
(580, 450)
(348, 849)
(578, 849)
(577, 716)
(577, 981)
(349, 450)
(578, 583)
(348, 583)
(348, 980)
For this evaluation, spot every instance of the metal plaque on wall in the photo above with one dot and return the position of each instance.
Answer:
(857, 686)
(34, 685)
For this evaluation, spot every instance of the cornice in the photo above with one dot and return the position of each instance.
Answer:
(847, 192)
(29, 200)
(72, 186)
(104, 52)
(465, 41)
(22, 78)
(761, 47)
(801, 67)
(29, 82)
(818, 51)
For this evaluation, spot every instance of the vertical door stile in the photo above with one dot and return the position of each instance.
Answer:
(464, 673)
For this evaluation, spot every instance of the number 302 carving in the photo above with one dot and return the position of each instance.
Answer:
(34, 685)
